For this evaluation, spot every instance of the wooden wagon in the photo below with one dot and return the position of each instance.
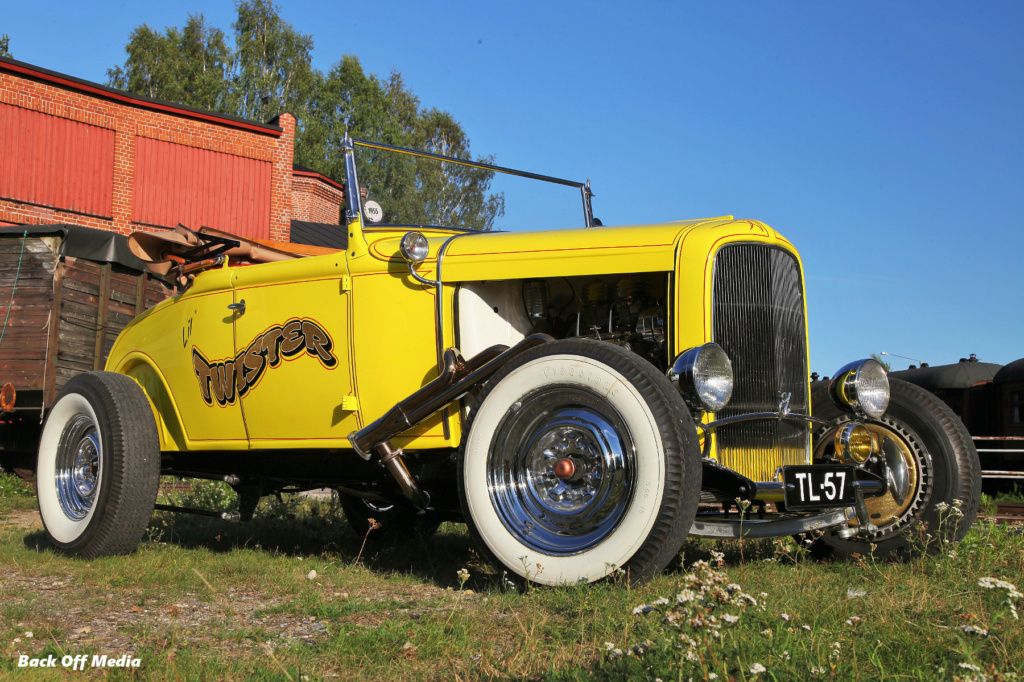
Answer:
(65, 293)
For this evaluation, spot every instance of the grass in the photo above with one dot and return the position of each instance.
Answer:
(206, 599)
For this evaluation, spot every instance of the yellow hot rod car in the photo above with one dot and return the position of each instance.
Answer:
(582, 399)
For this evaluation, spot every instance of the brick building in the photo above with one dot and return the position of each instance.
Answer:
(80, 153)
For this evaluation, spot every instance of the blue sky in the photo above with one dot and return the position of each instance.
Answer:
(885, 139)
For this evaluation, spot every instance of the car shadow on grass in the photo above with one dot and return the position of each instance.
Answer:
(435, 559)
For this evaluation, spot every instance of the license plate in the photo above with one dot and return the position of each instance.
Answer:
(817, 487)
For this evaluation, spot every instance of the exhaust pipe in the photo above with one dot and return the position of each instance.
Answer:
(457, 377)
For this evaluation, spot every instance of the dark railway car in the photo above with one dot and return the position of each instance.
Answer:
(989, 399)
(65, 293)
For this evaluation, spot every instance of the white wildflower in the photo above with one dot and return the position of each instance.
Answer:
(806, 627)
(28, 635)
(994, 583)
(757, 669)
(729, 618)
(660, 601)
(643, 608)
(969, 666)
(972, 630)
(854, 620)
(785, 617)
(463, 575)
(686, 596)
(784, 656)
(609, 646)
(767, 632)
(815, 670)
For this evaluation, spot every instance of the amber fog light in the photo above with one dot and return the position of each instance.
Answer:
(414, 247)
(853, 442)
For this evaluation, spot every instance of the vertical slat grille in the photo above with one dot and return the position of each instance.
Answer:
(758, 318)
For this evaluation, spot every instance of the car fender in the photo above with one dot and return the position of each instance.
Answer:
(144, 371)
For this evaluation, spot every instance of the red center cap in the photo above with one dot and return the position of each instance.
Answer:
(564, 468)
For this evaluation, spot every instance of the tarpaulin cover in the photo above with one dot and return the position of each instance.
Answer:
(100, 246)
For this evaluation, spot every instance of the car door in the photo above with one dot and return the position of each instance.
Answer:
(198, 363)
(291, 350)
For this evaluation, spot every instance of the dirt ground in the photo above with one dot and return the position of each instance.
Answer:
(234, 622)
(25, 520)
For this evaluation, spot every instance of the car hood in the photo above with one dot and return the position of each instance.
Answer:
(584, 251)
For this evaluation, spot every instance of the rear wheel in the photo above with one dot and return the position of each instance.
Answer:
(394, 518)
(941, 478)
(99, 466)
(581, 459)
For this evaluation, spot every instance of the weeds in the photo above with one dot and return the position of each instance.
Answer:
(13, 486)
(751, 610)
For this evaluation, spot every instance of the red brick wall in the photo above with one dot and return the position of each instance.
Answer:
(49, 95)
(315, 200)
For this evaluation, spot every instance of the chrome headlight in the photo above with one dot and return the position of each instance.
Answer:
(704, 376)
(414, 247)
(861, 387)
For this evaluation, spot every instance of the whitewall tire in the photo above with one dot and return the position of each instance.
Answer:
(99, 466)
(581, 459)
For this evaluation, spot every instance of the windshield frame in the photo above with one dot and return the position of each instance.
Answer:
(353, 197)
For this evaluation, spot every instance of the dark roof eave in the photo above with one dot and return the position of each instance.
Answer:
(131, 99)
(304, 172)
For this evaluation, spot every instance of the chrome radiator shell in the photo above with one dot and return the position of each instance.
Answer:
(758, 318)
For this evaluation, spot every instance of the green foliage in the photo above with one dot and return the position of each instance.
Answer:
(269, 71)
(206, 495)
(13, 486)
(5, 45)
(886, 365)
(190, 66)
(271, 67)
(409, 189)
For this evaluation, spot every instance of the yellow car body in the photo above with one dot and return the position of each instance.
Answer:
(382, 327)
(571, 395)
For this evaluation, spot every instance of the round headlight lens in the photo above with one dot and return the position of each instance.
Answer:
(704, 377)
(863, 387)
(414, 247)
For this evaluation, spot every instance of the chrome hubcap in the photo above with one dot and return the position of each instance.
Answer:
(78, 467)
(561, 469)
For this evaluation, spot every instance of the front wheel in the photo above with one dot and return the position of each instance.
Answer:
(580, 460)
(942, 476)
(99, 466)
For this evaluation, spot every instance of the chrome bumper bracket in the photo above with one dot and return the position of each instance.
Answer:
(718, 526)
